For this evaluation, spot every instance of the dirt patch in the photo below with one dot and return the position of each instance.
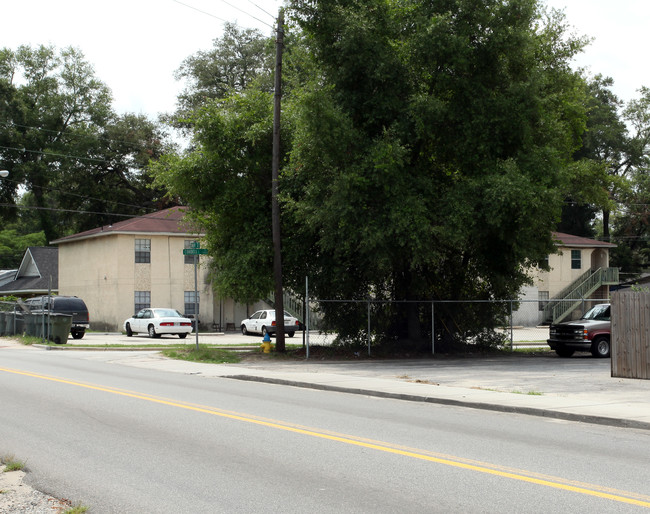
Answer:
(16, 497)
(341, 353)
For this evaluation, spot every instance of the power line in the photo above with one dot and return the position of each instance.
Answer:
(76, 211)
(92, 159)
(221, 19)
(202, 12)
(83, 197)
(246, 13)
(67, 133)
(261, 9)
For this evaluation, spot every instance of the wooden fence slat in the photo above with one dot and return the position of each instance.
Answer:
(630, 335)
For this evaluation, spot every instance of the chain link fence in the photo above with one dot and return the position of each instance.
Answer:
(17, 319)
(437, 323)
(12, 319)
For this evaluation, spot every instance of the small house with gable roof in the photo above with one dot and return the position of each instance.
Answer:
(37, 274)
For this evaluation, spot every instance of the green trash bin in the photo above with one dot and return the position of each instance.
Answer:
(16, 323)
(59, 327)
(3, 330)
(35, 324)
(40, 325)
(29, 321)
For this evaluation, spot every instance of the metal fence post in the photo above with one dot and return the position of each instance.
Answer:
(512, 330)
(368, 326)
(307, 317)
(433, 329)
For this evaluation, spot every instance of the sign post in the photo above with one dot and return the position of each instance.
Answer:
(196, 250)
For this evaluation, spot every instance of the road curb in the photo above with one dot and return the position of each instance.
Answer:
(96, 348)
(530, 411)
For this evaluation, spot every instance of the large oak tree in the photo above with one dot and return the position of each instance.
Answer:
(427, 152)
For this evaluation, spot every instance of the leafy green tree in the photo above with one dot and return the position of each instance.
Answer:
(630, 232)
(17, 234)
(612, 163)
(227, 181)
(432, 156)
(63, 143)
(238, 59)
(606, 147)
(427, 151)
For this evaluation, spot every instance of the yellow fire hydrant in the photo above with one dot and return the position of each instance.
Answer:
(266, 344)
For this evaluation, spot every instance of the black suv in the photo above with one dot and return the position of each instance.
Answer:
(71, 305)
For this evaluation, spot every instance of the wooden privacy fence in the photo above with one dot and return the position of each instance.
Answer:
(630, 335)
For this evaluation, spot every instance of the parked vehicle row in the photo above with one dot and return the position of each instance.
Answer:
(155, 321)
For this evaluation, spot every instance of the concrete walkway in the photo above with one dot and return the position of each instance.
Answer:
(579, 389)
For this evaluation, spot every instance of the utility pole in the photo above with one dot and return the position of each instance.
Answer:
(277, 237)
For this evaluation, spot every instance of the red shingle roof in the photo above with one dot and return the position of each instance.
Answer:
(577, 241)
(168, 221)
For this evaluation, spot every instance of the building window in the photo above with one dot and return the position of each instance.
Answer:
(190, 296)
(576, 259)
(542, 297)
(143, 250)
(142, 300)
(190, 243)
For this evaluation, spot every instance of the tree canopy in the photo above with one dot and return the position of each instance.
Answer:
(238, 59)
(427, 152)
(64, 145)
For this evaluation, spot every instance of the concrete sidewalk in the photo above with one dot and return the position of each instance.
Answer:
(577, 389)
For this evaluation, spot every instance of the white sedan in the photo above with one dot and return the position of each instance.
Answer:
(263, 322)
(157, 322)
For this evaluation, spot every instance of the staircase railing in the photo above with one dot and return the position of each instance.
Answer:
(296, 307)
(570, 297)
(292, 304)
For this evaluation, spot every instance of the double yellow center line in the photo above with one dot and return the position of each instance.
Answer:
(456, 462)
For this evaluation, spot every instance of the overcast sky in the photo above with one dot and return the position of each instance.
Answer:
(135, 45)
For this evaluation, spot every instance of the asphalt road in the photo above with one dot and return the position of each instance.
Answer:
(132, 440)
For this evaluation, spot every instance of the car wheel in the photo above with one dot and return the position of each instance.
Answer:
(600, 347)
(264, 331)
(291, 334)
(152, 331)
(182, 336)
(243, 330)
(77, 334)
(565, 353)
(129, 332)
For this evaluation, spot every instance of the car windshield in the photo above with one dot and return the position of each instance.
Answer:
(167, 313)
(599, 312)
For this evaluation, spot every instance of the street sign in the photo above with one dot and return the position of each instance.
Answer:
(194, 244)
(195, 251)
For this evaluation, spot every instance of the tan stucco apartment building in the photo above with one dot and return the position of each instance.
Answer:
(578, 270)
(118, 269)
